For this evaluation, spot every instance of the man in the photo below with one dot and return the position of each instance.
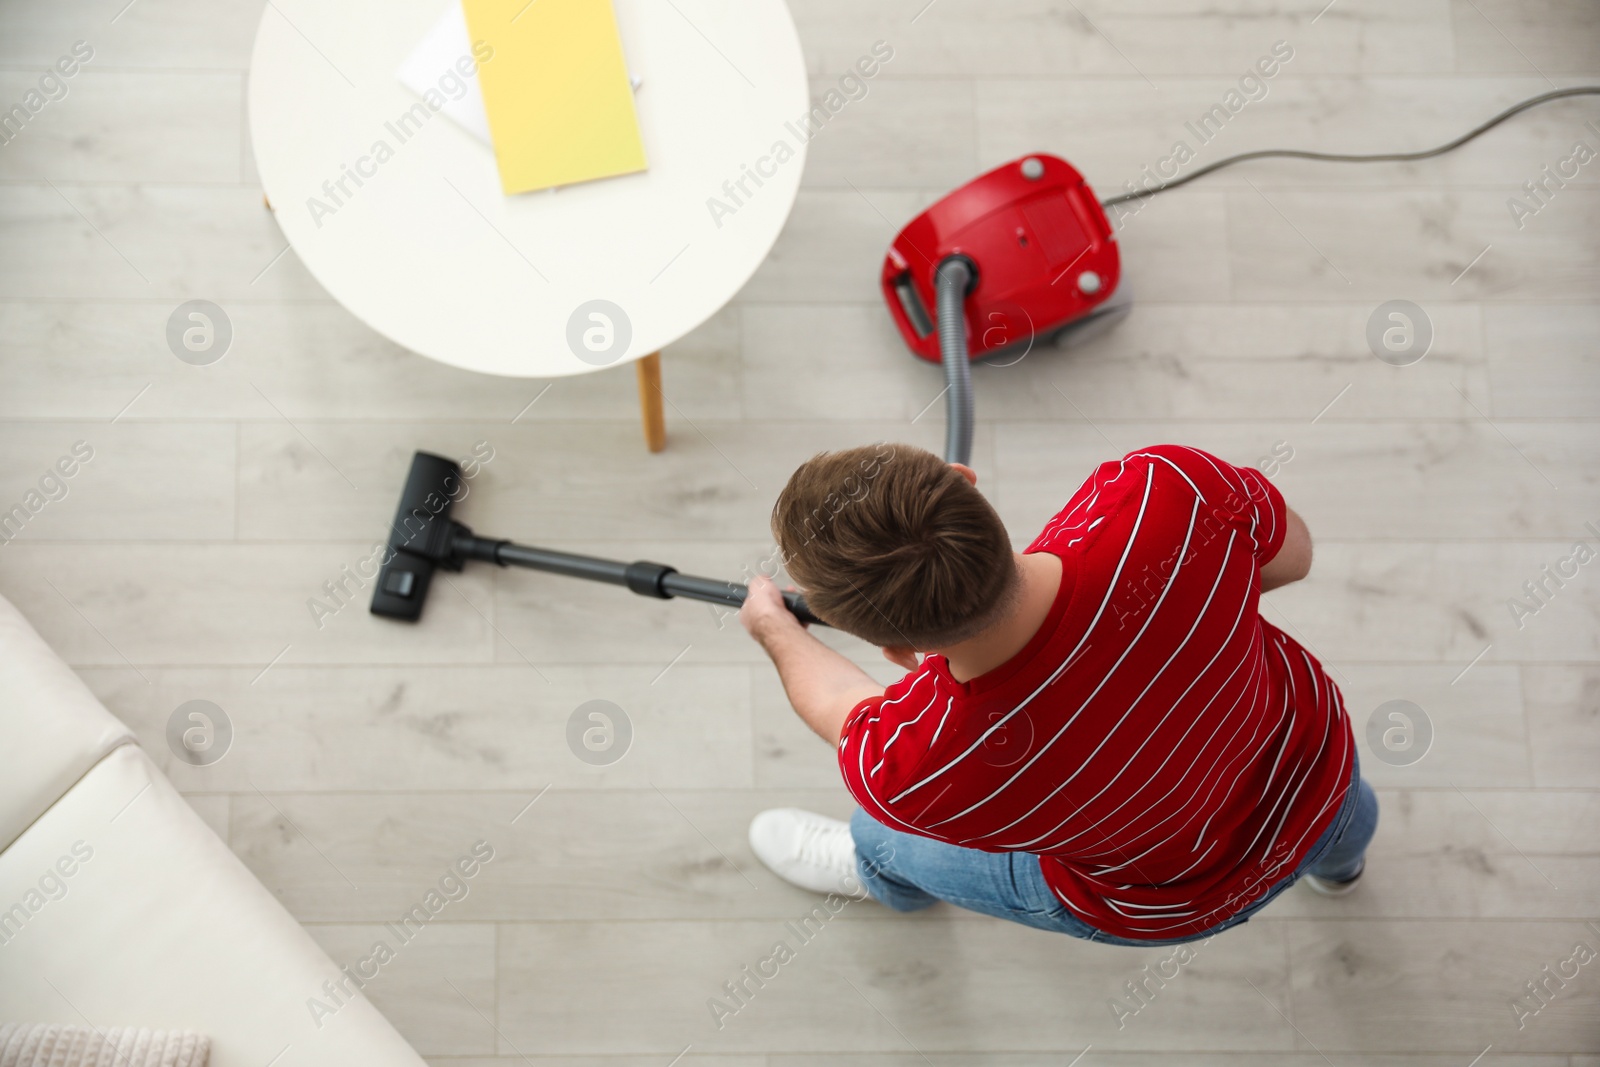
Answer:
(1098, 736)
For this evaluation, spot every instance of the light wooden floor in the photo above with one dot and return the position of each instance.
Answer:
(369, 756)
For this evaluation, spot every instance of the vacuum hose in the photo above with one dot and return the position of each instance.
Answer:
(952, 279)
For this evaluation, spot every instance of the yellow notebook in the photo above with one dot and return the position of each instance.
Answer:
(556, 90)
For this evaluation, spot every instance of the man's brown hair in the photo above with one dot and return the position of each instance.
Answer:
(892, 544)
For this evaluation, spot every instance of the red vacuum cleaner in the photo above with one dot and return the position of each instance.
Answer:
(1025, 252)
(1021, 254)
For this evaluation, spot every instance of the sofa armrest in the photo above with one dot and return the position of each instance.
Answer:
(159, 925)
(55, 728)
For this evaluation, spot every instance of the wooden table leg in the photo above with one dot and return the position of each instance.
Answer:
(650, 402)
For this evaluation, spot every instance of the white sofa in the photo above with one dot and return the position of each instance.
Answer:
(120, 907)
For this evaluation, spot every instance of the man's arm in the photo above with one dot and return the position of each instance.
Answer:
(1293, 561)
(823, 686)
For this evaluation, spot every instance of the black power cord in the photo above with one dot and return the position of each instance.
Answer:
(1334, 157)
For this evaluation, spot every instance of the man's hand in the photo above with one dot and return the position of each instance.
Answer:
(822, 685)
(764, 612)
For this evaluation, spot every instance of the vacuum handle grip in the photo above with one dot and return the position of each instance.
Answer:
(797, 604)
(731, 594)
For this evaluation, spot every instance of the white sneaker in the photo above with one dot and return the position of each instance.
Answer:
(1334, 889)
(808, 850)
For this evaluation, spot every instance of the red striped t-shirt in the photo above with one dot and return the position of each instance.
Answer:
(1167, 752)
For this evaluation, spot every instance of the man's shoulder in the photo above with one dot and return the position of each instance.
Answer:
(911, 705)
(1104, 493)
(888, 739)
(1149, 481)
(900, 698)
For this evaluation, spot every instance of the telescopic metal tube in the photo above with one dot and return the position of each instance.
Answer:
(710, 590)
(642, 577)
(570, 564)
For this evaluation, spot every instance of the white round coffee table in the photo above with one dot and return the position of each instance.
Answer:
(428, 251)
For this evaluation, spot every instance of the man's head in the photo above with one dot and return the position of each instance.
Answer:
(896, 546)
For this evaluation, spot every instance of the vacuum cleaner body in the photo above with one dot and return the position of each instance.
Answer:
(1042, 252)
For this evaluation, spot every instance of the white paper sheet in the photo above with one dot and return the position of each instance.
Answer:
(435, 60)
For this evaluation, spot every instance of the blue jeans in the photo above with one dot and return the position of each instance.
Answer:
(907, 872)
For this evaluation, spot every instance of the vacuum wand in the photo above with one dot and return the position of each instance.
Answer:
(424, 537)
(642, 577)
